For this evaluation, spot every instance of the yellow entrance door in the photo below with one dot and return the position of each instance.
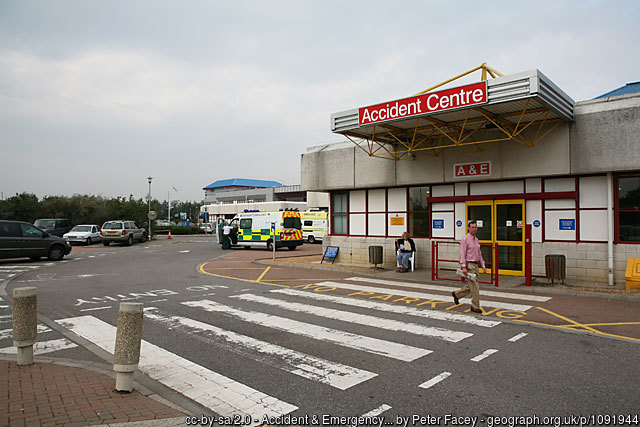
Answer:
(501, 222)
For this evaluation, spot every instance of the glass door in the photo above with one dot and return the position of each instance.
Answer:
(501, 222)
(482, 213)
(509, 235)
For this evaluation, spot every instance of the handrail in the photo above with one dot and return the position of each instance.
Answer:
(435, 260)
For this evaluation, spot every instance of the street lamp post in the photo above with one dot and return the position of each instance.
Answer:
(169, 199)
(149, 178)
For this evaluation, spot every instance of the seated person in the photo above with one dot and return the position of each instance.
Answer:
(405, 246)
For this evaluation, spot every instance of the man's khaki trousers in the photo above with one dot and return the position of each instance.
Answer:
(471, 287)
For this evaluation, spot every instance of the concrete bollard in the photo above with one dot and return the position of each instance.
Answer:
(25, 322)
(128, 340)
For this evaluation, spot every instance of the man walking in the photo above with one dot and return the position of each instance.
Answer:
(470, 257)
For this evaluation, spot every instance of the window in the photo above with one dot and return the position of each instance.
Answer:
(29, 230)
(245, 223)
(339, 213)
(292, 222)
(629, 209)
(308, 223)
(10, 229)
(419, 212)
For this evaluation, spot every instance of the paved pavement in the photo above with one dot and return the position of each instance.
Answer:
(66, 392)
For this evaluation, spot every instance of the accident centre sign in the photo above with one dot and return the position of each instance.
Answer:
(448, 99)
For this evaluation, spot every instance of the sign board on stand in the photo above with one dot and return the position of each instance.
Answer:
(330, 252)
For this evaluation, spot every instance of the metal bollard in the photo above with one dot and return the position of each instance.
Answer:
(128, 339)
(25, 320)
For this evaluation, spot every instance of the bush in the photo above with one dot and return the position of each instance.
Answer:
(177, 230)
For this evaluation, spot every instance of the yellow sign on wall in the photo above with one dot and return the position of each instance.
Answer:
(397, 220)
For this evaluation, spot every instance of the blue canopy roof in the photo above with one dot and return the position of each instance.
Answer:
(623, 90)
(241, 182)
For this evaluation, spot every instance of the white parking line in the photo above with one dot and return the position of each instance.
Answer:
(324, 371)
(96, 308)
(216, 392)
(377, 411)
(484, 355)
(359, 342)
(435, 380)
(517, 337)
(483, 302)
(361, 319)
(449, 289)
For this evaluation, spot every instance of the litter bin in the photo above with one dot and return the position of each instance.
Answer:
(375, 255)
(555, 267)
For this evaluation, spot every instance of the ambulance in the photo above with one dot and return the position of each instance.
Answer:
(314, 225)
(253, 229)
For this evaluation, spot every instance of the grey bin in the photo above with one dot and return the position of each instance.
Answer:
(555, 267)
(375, 255)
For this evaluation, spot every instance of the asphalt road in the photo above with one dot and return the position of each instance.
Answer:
(227, 343)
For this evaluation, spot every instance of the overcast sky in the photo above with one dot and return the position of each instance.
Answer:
(97, 95)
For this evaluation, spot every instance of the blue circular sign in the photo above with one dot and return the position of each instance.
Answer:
(459, 223)
(536, 223)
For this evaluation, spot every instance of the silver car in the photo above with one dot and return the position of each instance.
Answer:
(86, 234)
(123, 232)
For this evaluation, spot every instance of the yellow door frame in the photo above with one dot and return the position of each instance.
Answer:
(501, 243)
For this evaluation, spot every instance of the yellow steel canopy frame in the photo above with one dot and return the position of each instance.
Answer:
(391, 142)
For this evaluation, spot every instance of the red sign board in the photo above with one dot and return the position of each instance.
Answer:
(448, 99)
(467, 170)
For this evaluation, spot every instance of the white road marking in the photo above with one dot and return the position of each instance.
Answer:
(435, 380)
(361, 319)
(96, 308)
(185, 252)
(159, 300)
(377, 411)
(7, 333)
(483, 302)
(334, 374)
(517, 337)
(484, 355)
(4, 306)
(18, 267)
(412, 311)
(43, 347)
(449, 289)
(210, 389)
(359, 342)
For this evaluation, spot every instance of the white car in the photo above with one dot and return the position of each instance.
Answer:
(207, 227)
(86, 234)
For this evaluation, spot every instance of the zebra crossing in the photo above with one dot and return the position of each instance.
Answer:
(48, 345)
(229, 395)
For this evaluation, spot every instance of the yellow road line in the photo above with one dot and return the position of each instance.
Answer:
(203, 271)
(569, 327)
(566, 319)
(236, 268)
(292, 280)
(610, 324)
(263, 273)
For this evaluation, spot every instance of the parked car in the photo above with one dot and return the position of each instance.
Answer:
(23, 240)
(86, 234)
(55, 226)
(123, 232)
(207, 227)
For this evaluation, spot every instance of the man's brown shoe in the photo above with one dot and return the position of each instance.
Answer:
(455, 297)
(476, 310)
